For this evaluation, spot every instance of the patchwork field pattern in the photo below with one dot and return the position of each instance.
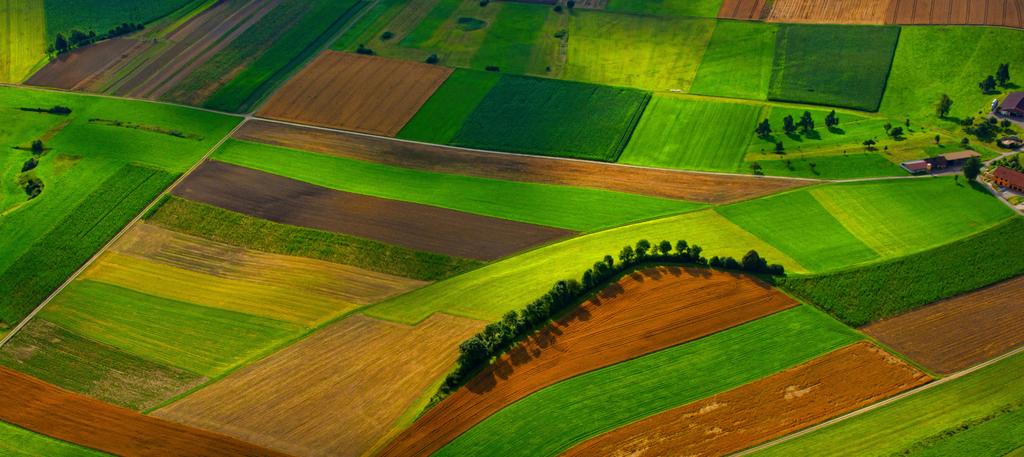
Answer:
(828, 386)
(830, 11)
(644, 312)
(21, 38)
(441, 117)
(336, 392)
(954, 334)
(355, 92)
(1008, 13)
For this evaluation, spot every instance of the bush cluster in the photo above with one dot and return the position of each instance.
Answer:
(78, 38)
(56, 109)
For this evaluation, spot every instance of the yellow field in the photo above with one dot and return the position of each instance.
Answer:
(22, 29)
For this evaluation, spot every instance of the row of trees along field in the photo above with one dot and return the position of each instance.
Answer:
(78, 38)
(479, 350)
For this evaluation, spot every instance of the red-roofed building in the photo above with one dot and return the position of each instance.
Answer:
(1010, 179)
(1013, 104)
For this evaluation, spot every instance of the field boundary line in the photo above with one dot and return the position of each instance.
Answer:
(119, 234)
(879, 404)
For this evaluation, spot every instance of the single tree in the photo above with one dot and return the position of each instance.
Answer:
(806, 123)
(570, 4)
(61, 44)
(1003, 75)
(664, 247)
(756, 168)
(896, 132)
(763, 129)
(681, 247)
(432, 59)
(831, 120)
(887, 127)
(642, 247)
(754, 262)
(907, 122)
(937, 139)
(965, 141)
(788, 125)
(869, 144)
(988, 85)
(626, 255)
(37, 147)
(945, 104)
(780, 148)
(972, 168)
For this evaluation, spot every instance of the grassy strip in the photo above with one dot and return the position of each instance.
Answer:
(18, 442)
(71, 242)
(557, 417)
(240, 230)
(956, 418)
(881, 290)
(444, 113)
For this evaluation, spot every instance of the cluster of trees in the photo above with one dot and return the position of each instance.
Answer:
(987, 129)
(362, 49)
(791, 126)
(56, 109)
(1001, 79)
(31, 184)
(972, 168)
(478, 351)
(78, 38)
(569, 4)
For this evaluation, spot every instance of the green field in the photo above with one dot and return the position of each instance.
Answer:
(21, 38)
(511, 40)
(551, 420)
(363, 30)
(238, 229)
(489, 292)
(844, 166)
(555, 118)
(96, 177)
(698, 8)
(862, 295)
(833, 65)
(567, 207)
(100, 15)
(438, 120)
(18, 442)
(692, 134)
(646, 52)
(931, 61)
(979, 414)
(738, 61)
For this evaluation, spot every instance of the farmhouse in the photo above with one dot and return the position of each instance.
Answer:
(1013, 105)
(916, 167)
(1008, 178)
(939, 162)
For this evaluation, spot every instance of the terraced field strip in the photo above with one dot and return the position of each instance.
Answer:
(78, 69)
(699, 187)
(742, 9)
(830, 11)
(644, 312)
(74, 418)
(954, 334)
(414, 226)
(355, 92)
(838, 382)
(334, 393)
(1008, 13)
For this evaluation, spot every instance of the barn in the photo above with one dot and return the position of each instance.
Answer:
(1013, 105)
(1008, 178)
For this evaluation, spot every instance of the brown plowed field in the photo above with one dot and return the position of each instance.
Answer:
(742, 9)
(830, 11)
(1008, 13)
(335, 393)
(77, 69)
(836, 383)
(954, 334)
(699, 187)
(34, 405)
(644, 312)
(196, 41)
(356, 92)
(420, 227)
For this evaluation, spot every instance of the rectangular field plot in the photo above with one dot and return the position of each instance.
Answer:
(646, 52)
(959, 332)
(738, 61)
(302, 402)
(691, 134)
(16, 441)
(828, 386)
(830, 11)
(80, 69)
(355, 92)
(644, 312)
(441, 117)
(1007, 13)
(22, 43)
(555, 418)
(742, 9)
(858, 61)
(557, 118)
(685, 8)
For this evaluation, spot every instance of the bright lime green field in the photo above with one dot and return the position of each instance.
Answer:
(567, 207)
(934, 60)
(964, 417)
(797, 224)
(21, 38)
(845, 166)
(487, 293)
(647, 52)
(692, 134)
(18, 442)
(438, 120)
(697, 8)
(206, 341)
(552, 420)
(738, 61)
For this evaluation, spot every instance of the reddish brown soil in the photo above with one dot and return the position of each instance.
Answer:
(742, 9)
(76, 69)
(699, 187)
(34, 405)
(644, 312)
(830, 11)
(829, 386)
(1008, 13)
(420, 227)
(954, 334)
(356, 92)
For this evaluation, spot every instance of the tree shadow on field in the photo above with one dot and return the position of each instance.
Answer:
(836, 131)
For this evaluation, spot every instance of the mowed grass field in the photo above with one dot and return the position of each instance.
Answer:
(18, 442)
(695, 8)
(553, 419)
(738, 61)
(554, 118)
(692, 134)
(21, 38)
(646, 52)
(96, 177)
(833, 65)
(441, 117)
(567, 207)
(979, 414)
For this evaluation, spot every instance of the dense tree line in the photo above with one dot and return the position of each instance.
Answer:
(56, 109)
(515, 326)
(77, 38)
